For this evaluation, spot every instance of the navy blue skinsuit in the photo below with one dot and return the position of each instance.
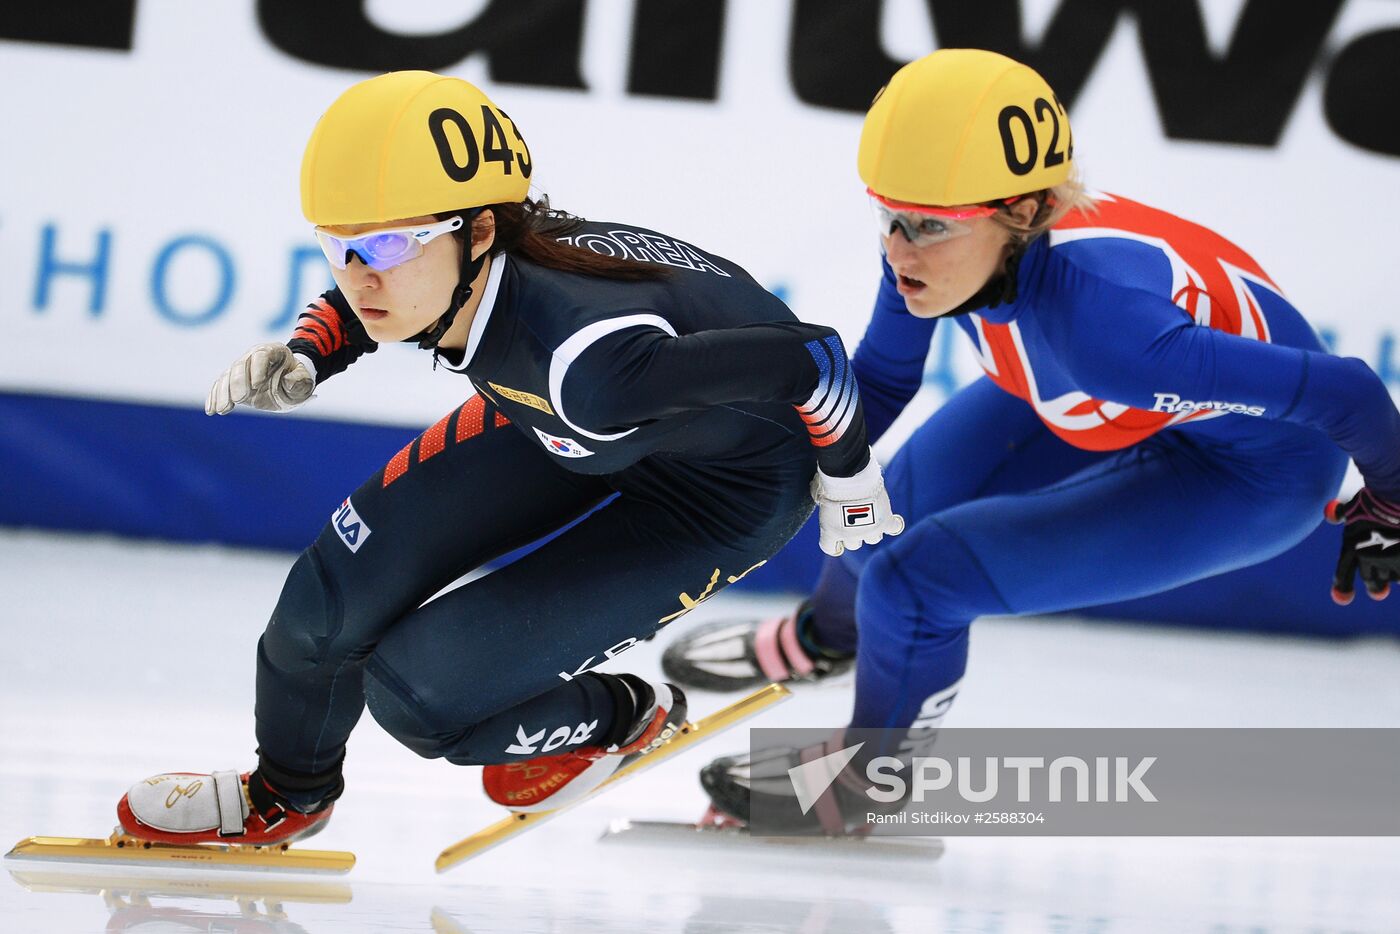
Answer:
(679, 397)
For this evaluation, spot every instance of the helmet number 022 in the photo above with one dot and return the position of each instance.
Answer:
(493, 147)
(1016, 114)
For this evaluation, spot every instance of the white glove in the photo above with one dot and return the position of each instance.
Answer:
(268, 377)
(853, 511)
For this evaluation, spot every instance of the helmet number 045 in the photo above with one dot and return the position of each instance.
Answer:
(494, 148)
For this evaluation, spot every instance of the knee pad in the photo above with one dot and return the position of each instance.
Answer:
(307, 615)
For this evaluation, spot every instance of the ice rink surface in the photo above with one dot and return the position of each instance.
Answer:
(126, 659)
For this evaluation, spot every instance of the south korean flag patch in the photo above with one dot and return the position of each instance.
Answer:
(858, 514)
(563, 447)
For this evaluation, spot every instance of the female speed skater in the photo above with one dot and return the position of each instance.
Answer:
(608, 361)
(1153, 412)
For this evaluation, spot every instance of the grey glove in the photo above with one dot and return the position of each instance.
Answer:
(269, 377)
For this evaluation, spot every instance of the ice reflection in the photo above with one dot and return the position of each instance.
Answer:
(169, 904)
(702, 915)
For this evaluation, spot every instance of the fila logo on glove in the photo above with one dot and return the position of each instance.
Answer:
(349, 526)
(858, 514)
(1170, 402)
(524, 744)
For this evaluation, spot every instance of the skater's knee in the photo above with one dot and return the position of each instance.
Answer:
(403, 714)
(886, 602)
(306, 616)
(930, 582)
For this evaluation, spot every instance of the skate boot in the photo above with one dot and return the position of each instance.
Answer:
(549, 782)
(223, 807)
(740, 655)
(742, 785)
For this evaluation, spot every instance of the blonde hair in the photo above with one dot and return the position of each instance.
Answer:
(1055, 203)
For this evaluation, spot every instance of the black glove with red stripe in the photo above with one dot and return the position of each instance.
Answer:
(1370, 545)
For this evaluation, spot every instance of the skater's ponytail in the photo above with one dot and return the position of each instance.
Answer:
(532, 230)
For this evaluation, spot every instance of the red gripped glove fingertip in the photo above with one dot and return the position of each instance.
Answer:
(1333, 511)
(1342, 598)
(1379, 594)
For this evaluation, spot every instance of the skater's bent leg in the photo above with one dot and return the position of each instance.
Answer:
(1147, 520)
(830, 622)
(981, 442)
(582, 712)
(496, 670)
(480, 490)
(916, 603)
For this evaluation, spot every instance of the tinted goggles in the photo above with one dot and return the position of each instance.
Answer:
(383, 249)
(923, 225)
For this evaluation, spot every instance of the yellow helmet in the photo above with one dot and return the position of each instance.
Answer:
(964, 126)
(407, 144)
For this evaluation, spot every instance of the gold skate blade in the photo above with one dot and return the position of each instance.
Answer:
(120, 849)
(689, 735)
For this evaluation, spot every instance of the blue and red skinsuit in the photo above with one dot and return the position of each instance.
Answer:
(1154, 412)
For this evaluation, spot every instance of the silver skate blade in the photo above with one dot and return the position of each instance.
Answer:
(678, 833)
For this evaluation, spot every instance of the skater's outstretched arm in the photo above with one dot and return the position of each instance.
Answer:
(1129, 346)
(644, 373)
(276, 377)
(1138, 349)
(639, 374)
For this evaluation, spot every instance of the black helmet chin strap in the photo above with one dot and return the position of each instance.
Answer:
(471, 268)
(1000, 289)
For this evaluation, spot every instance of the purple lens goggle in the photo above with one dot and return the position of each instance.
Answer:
(383, 249)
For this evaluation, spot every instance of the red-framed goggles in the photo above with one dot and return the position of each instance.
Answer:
(923, 224)
(383, 249)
